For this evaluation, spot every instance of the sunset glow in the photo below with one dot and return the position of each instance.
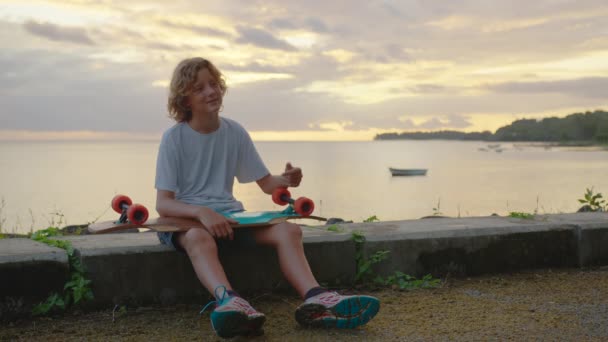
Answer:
(74, 69)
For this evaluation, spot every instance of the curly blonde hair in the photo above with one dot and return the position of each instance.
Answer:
(184, 77)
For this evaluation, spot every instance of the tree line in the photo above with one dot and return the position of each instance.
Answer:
(579, 127)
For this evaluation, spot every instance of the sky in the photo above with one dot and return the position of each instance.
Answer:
(300, 70)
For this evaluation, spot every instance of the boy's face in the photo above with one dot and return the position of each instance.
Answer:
(205, 95)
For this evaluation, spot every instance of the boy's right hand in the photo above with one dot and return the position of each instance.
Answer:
(216, 224)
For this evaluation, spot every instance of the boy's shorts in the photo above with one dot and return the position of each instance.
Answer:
(243, 237)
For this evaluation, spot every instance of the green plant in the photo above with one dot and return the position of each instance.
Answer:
(335, 228)
(358, 238)
(54, 301)
(364, 269)
(364, 265)
(521, 215)
(371, 219)
(76, 289)
(594, 201)
(407, 282)
(364, 272)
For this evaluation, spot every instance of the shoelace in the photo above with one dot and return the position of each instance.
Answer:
(244, 306)
(329, 298)
(238, 302)
(217, 301)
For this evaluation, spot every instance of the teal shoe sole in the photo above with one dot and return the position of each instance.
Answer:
(233, 323)
(349, 313)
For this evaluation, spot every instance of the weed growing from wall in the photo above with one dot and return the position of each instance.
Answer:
(365, 275)
(77, 289)
(595, 202)
(521, 215)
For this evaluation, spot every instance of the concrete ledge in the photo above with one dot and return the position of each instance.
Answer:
(470, 246)
(29, 272)
(137, 269)
(134, 269)
(592, 230)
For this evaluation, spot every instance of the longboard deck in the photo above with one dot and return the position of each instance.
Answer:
(177, 224)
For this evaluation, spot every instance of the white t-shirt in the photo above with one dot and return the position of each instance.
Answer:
(200, 168)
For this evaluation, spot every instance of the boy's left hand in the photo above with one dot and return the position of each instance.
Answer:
(293, 175)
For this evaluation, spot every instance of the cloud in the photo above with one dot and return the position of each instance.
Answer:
(252, 67)
(427, 88)
(458, 121)
(433, 123)
(317, 25)
(207, 31)
(384, 54)
(384, 64)
(58, 33)
(392, 9)
(593, 87)
(294, 23)
(169, 47)
(282, 23)
(78, 94)
(261, 38)
(452, 122)
(396, 52)
(317, 66)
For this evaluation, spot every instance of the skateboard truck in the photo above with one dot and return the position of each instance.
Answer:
(302, 206)
(129, 212)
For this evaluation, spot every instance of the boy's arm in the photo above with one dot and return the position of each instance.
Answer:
(290, 178)
(216, 224)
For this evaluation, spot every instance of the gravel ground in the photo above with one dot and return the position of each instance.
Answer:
(569, 305)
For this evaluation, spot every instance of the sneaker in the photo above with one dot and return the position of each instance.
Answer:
(234, 316)
(332, 310)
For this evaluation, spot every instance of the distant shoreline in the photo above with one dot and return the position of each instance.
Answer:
(579, 129)
(574, 145)
(519, 142)
(578, 145)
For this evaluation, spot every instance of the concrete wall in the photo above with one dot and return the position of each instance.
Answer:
(136, 269)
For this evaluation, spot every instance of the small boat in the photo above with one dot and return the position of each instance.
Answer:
(407, 172)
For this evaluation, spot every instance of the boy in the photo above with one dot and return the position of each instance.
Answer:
(198, 159)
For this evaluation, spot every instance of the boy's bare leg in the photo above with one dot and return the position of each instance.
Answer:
(287, 239)
(324, 309)
(202, 251)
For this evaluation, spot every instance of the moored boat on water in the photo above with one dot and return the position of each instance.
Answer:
(407, 172)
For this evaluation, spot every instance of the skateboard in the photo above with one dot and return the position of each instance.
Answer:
(136, 216)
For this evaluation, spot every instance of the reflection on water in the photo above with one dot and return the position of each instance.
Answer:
(350, 180)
